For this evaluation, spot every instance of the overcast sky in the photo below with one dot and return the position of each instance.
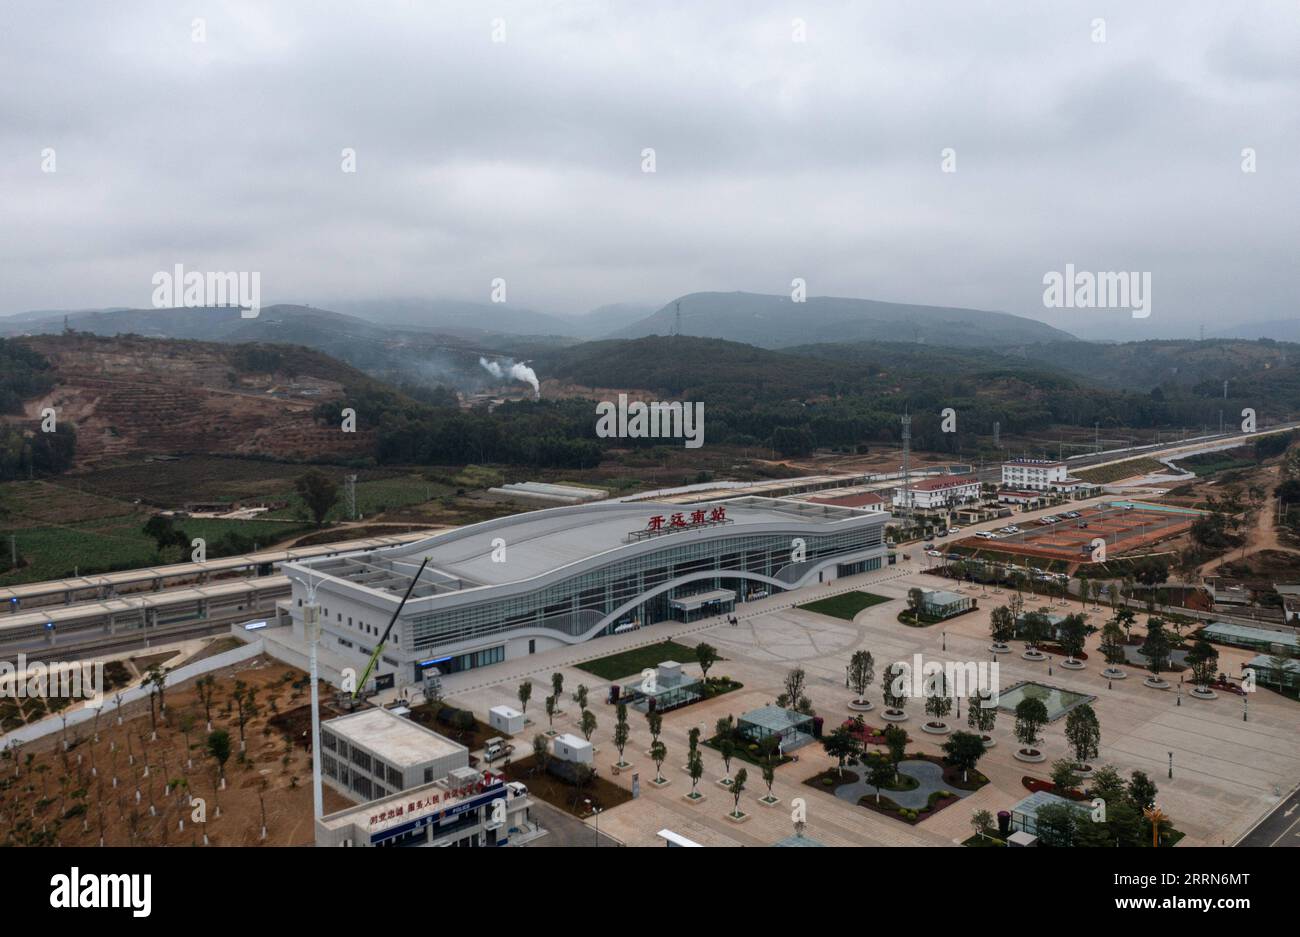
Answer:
(775, 158)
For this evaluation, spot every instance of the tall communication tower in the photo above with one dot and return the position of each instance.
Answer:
(350, 495)
(997, 435)
(907, 466)
(677, 318)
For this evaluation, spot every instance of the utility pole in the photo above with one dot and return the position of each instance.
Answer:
(1225, 390)
(311, 631)
(907, 466)
(350, 495)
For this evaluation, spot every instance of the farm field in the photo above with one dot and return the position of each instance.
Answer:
(104, 545)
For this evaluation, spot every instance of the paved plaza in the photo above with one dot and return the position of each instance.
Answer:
(1227, 772)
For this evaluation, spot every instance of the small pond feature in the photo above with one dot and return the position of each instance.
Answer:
(1058, 701)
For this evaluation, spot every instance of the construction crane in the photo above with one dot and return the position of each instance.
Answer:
(392, 621)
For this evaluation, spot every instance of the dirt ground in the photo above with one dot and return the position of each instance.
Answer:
(52, 797)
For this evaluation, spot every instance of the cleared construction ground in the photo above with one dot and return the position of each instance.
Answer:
(1125, 526)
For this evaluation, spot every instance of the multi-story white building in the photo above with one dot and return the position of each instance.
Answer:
(1035, 474)
(529, 583)
(943, 491)
(373, 753)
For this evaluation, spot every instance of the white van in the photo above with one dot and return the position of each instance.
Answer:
(985, 535)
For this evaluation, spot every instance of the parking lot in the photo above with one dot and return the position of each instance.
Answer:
(1122, 528)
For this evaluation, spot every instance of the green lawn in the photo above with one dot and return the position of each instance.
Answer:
(845, 606)
(120, 543)
(632, 662)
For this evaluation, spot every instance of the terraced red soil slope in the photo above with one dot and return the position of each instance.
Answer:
(130, 397)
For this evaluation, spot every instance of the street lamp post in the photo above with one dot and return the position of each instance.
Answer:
(1171, 765)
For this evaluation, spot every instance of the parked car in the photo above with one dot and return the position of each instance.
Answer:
(985, 535)
(928, 547)
(933, 553)
(954, 530)
(941, 532)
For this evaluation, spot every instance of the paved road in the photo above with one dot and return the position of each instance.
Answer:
(564, 829)
(1280, 828)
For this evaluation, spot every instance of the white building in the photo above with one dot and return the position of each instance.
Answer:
(943, 491)
(370, 754)
(572, 748)
(526, 584)
(1036, 474)
(467, 808)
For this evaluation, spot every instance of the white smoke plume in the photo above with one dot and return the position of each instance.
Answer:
(514, 371)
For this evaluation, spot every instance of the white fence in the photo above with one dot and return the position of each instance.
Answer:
(76, 717)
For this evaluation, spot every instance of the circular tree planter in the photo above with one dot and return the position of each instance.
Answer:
(1033, 655)
(997, 647)
(936, 728)
(988, 740)
(695, 798)
(1083, 771)
(1071, 664)
(861, 705)
(1156, 683)
(1114, 673)
(1203, 693)
(894, 715)
(1031, 755)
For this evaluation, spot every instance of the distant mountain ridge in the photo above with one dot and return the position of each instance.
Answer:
(770, 321)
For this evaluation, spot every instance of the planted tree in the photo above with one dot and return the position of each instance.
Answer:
(727, 748)
(580, 697)
(1073, 633)
(525, 693)
(1112, 642)
(738, 788)
(769, 778)
(896, 742)
(706, 655)
(550, 712)
(1065, 775)
(1083, 733)
(894, 687)
(841, 744)
(1031, 716)
(881, 772)
(937, 701)
(219, 750)
(862, 670)
(1156, 646)
(1002, 624)
(655, 723)
(982, 713)
(318, 492)
(964, 750)
(981, 822)
(658, 752)
(540, 752)
(557, 686)
(621, 734)
(1203, 659)
(588, 724)
(695, 768)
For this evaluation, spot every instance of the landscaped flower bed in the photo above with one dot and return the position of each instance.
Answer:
(868, 734)
(1035, 785)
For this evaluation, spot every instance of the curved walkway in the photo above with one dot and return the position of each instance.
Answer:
(928, 775)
